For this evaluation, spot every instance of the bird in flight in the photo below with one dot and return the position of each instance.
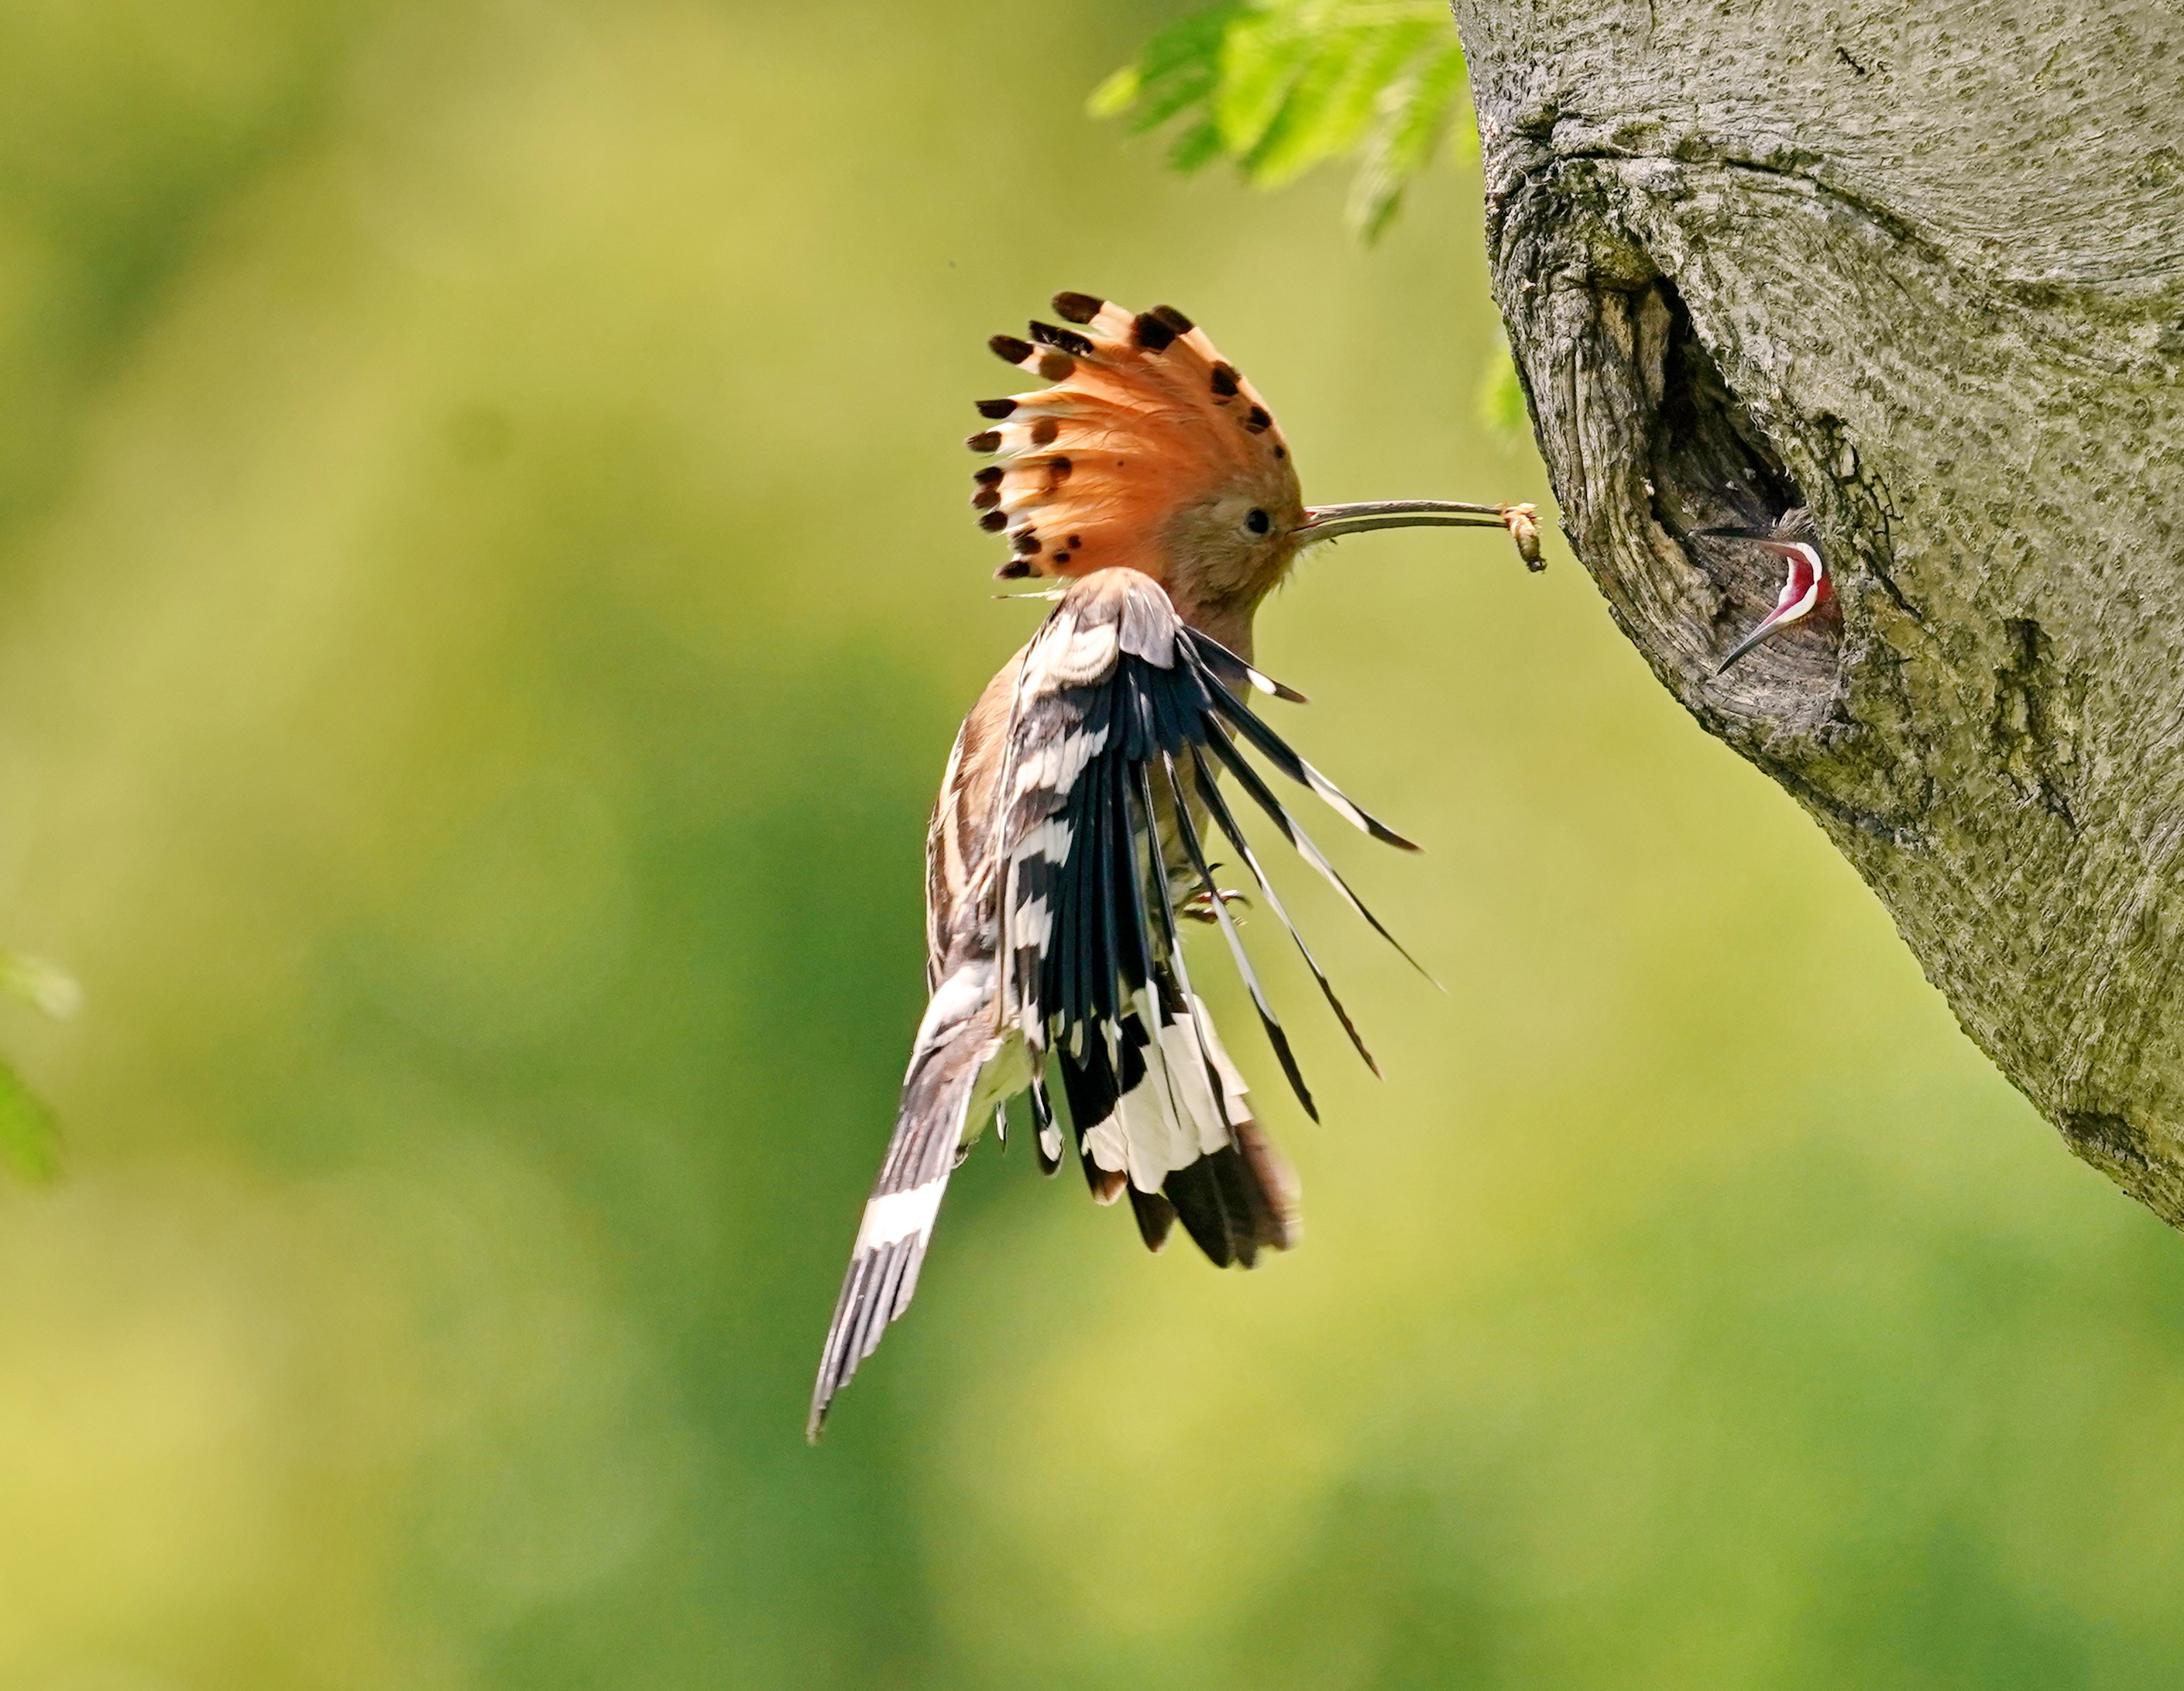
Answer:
(1072, 839)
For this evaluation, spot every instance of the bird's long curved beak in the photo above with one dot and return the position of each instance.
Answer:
(1332, 522)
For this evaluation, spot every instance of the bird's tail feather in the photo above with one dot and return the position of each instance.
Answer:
(898, 1216)
(1175, 1131)
(1238, 1200)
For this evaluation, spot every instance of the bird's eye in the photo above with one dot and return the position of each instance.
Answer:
(1258, 522)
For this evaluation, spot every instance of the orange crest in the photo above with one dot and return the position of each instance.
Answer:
(1143, 439)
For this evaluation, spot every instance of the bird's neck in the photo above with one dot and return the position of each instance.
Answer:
(1229, 623)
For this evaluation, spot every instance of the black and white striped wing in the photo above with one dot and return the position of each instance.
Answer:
(1124, 718)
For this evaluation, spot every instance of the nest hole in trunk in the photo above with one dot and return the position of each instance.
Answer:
(1710, 465)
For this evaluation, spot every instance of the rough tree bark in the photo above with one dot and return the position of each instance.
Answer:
(1920, 266)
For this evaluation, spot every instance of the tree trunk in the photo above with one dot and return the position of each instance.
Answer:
(1919, 267)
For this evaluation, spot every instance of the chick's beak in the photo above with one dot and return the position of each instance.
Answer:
(1804, 590)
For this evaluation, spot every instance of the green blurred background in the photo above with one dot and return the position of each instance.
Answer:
(485, 594)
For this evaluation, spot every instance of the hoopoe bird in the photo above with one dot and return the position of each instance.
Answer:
(1069, 843)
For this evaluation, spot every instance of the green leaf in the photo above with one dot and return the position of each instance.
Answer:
(1194, 150)
(1260, 58)
(30, 1142)
(1171, 97)
(1333, 101)
(1117, 94)
(1194, 41)
(1178, 69)
(1414, 113)
(1279, 86)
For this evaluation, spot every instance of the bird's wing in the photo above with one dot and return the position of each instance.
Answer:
(1123, 716)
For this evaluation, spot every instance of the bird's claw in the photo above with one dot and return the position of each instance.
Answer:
(1198, 907)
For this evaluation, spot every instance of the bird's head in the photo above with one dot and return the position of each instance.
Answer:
(1147, 449)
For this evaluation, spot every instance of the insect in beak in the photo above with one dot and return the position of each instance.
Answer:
(1804, 590)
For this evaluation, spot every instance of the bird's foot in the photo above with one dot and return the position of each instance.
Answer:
(1198, 907)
